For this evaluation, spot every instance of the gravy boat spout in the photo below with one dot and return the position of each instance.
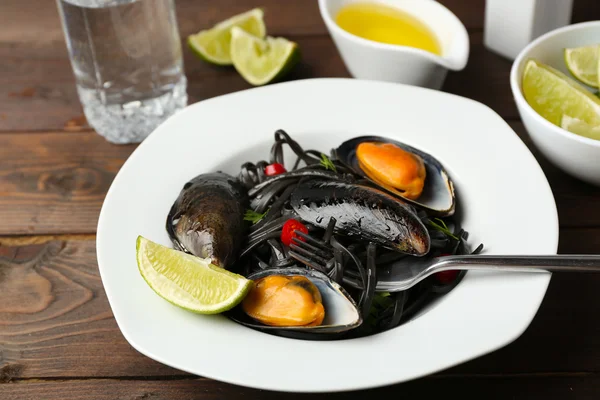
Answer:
(367, 59)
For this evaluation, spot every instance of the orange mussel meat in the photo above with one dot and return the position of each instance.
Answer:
(279, 300)
(393, 167)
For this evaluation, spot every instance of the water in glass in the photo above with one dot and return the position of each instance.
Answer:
(127, 61)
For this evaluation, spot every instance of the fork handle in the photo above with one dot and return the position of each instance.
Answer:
(537, 263)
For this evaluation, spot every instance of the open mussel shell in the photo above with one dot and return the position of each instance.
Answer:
(437, 198)
(341, 312)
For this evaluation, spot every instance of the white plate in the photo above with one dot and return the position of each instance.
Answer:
(503, 194)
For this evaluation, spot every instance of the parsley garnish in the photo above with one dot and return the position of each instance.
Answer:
(442, 227)
(253, 216)
(327, 163)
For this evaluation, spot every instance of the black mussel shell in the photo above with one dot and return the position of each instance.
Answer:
(438, 197)
(207, 218)
(333, 326)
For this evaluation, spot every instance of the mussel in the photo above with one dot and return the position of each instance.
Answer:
(207, 218)
(362, 212)
(285, 300)
(297, 302)
(402, 170)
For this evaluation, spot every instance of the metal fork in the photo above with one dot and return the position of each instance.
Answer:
(408, 271)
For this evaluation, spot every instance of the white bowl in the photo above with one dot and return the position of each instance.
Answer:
(576, 155)
(366, 59)
(487, 310)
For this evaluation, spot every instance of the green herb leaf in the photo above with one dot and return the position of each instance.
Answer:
(327, 163)
(381, 302)
(253, 216)
(442, 227)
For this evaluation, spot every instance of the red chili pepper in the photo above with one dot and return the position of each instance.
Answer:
(274, 169)
(447, 276)
(288, 231)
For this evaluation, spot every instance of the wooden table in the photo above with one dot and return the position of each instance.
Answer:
(58, 338)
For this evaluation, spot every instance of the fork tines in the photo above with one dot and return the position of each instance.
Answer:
(310, 251)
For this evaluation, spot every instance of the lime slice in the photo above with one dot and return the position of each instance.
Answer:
(580, 127)
(551, 94)
(582, 62)
(261, 61)
(213, 45)
(187, 281)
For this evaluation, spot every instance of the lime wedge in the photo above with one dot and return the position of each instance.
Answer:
(551, 94)
(580, 127)
(261, 61)
(213, 45)
(187, 281)
(582, 62)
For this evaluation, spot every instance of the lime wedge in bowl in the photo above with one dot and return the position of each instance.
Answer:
(187, 281)
(213, 45)
(261, 61)
(553, 94)
(580, 127)
(582, 62)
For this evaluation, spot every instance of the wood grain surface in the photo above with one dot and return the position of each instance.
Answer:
(488, 388)
(43, 82)
(55, 182)
(58, 337)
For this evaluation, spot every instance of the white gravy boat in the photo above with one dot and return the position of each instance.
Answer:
(366, 59)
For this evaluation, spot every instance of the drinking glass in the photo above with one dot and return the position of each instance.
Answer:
(126, 56)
